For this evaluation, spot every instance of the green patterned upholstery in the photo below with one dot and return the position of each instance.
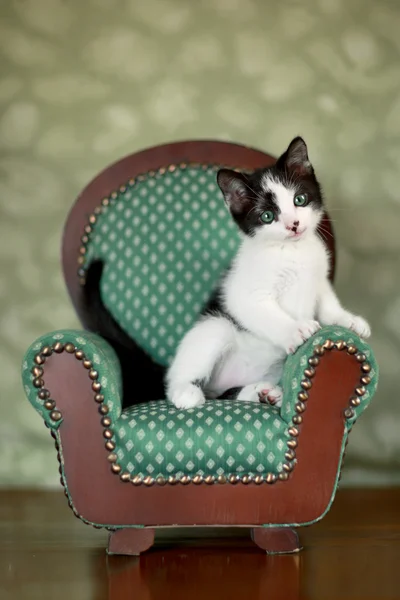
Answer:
(165, 241)
(223, 437)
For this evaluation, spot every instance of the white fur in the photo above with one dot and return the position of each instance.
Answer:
(278, 290)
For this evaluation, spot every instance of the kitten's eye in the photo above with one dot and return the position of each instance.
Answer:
(301, 200)
(267, 216)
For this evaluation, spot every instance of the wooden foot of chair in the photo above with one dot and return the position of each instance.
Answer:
(278, 540)
(130, 541)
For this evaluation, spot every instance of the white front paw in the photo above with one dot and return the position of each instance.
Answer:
(353, 322)
(302, 332)
(360, 326)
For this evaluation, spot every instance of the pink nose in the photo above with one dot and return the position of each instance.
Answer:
(294, 226)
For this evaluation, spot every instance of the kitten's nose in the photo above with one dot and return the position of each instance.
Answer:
(293, 227)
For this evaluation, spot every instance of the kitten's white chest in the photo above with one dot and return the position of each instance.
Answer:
(298, 269)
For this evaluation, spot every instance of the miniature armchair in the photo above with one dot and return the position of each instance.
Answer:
(157, 221)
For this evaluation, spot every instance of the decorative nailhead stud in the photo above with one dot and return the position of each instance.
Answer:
(70, 348)
(55, 415)
(125, 476)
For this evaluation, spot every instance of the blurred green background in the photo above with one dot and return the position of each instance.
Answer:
(84, 83)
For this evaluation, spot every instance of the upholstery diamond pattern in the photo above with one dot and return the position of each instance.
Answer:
(212, 439)
(166, 241)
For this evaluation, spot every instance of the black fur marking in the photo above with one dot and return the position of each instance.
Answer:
(230, 394)
(142, 378)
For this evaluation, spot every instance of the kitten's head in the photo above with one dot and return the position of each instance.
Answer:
(283, 202)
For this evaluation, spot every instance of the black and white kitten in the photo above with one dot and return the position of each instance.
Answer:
(275, 296)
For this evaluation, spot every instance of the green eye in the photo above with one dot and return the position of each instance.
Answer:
(301, 200)
(267, 216)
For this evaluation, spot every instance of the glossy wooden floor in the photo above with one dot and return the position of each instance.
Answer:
(45, 553)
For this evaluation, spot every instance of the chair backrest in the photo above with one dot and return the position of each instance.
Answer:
(158, 221)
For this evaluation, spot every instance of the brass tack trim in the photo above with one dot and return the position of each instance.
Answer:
(306, 384)
(105, 201)
(103, 409)
(313, 361)
(292, 443)
(125, 476)
(287, 467)
(162, 170)
(47, 351)
(107, 433)
(351, 349)
(106, 421)
(302, 396)
(366, 367)
(290, 454)
(112, 458)
(97, 210)
(309, 372)
(172, 480)
(79, 355)
(49, 404)
(234, 479)
(99, 398)
(319, 351)
(115, 468)
(365, 380)
(300, 407)
(38, 382)
(82, 250)
(87, 229)
(361, 357)
(297, 419)
(87, 364)
(245, 479)
(81, 260)
(184, 480)
(270, 478)
(161, 480)
(93, 374)
(349, 413)
(221, 479)
(92, 219)
(70, 348)
(85, 239)
(283, 476)
(39, 360)
(171, 168)
(114, 195)
(110, 445)
(340, 345)
(148, 480)
(328, 344)
(137, 480)
(96, 386)
(58, 347)
(37, 371)
(355, 401)
(44, 394)
(122, 189)
(293, 431)
(209, 479)
(198, 479)
(55, 415)
(258, 479)
(360, 391)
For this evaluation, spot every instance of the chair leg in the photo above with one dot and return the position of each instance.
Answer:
(131, 541)
(276, 540)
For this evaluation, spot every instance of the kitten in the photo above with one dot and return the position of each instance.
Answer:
(275, 296)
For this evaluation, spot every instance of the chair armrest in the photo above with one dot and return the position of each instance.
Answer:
(100, 360)
(299, 370)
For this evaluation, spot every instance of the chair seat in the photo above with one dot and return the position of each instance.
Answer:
(219, 438)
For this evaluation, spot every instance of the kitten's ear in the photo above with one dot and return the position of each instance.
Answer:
(295, 159)
(234, 187)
